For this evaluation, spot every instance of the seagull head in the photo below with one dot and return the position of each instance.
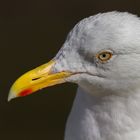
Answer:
(101, 53)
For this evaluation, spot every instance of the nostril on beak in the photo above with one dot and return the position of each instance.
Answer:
(36, 78)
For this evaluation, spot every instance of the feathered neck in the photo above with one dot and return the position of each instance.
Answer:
(110, 117)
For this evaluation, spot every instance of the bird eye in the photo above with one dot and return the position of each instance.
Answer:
(104, 56)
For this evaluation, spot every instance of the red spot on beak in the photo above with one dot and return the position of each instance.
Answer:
(25, 92)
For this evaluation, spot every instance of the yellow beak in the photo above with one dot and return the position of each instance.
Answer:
(37, 79)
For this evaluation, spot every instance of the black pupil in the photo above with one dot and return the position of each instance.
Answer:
(104, 55)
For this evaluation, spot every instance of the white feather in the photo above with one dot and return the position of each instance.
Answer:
(107, 105)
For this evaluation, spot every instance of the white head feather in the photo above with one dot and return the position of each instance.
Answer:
(118, 32)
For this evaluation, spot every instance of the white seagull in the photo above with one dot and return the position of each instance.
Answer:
(102, 55)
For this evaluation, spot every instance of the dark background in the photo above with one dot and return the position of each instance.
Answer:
(31, 33)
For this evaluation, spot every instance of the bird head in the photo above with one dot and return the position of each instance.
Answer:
(101, 53)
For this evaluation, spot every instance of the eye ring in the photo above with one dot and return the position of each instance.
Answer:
(104, 56)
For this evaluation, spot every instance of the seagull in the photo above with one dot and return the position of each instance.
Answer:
(102, 55)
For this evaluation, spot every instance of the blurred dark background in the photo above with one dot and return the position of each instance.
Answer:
(31, 33)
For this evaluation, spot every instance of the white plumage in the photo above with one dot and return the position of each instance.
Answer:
(107, 104)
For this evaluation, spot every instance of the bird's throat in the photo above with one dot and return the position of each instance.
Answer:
(108, 118)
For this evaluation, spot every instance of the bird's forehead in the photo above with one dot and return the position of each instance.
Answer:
(114, 30)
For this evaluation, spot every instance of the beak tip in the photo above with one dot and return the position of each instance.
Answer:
(11, 96)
